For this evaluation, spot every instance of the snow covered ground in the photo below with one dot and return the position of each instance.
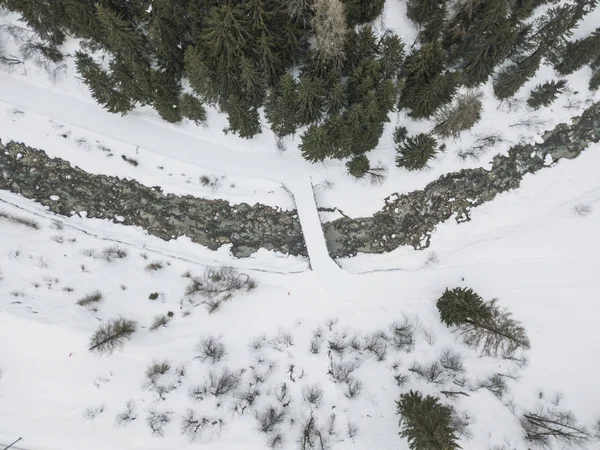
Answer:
(535, 249)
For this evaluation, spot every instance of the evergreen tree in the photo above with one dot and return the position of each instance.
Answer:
(545, 94)
(415, 151)
(513, 77)
(310, 100)
(83, 22)
(358, 166)
(363, 11)
(166, 95)
(47, 18)
(243, 117)
(421, 11)
(119, 33)
(192, 109)
(426, 423)
(335, 100)
(281, 106)
(579, 53)
(391, 49)
(101, 86)
(315, 145)
(482, 325)
(462, 305)
(595, 80)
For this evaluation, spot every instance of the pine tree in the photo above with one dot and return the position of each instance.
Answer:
(363, 11)
(595, 80)
(426, 423)
(101, 86)
(192, 109)
(315, 144)
(545, 94)
(415, 151)
(358, 166)
(513, 77)
(243, 117)
(391, 49)
(281, 106)
(112, 335)
(421, 11)
(482, 325)
(119, 33)
(461, 305)
(47, 18)
(310, 100)
(579, 53)
(83, 22)
(335, 100)
(166, 88)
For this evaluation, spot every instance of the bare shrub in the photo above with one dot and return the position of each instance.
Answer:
(211, 348)
(157, 420)
(496, 384)
(460, 422)
(270, 418)
(282, 340)
(216, 286)
(338, 344)
(353, 388)
(330, 27)
(352, 430)
(482, 143)
(312, 436)
(154, 266)
(341, 370)
(313, 395)
(112, 253)
(258, 342)
(316, 341)
(582, 210)
(275, 440)
(222, 383)
(159, 321)
(452, 361)
(459, 116)
(376, 344)
(193, 426)
(92, 413)
(154, 374)
(128, 415)
(20, 220)
(547, 424)
(402, 335)
(432, 373)
(112, 335)
(91, 299)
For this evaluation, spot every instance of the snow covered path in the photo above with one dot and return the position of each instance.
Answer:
(168, 141)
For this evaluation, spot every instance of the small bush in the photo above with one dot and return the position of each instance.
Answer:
(452, 362)
(154, 266)
(20, 220)
(376, 344)
(282, 340)
(215, 286)
(159, 321)
(112, 253)
(134, 162)
(433, 373)
(341, 370)
(415, 151)
(91, 299)
(338, 344)
(402, 335)
(313, 395)
(211, 348)
(312, 436)
(112, 335)
(496, 384)
(193, 426)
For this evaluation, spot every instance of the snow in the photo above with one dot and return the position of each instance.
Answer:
(535, 249)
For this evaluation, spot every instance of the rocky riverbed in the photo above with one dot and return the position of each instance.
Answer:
(68, 190)
(410, 219)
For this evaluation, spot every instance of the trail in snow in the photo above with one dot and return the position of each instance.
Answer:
(151, 137)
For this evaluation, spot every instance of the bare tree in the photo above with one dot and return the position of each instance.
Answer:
(330, 27)
(459, 116)
(211, 348)
(112, 335)
(548, 423)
